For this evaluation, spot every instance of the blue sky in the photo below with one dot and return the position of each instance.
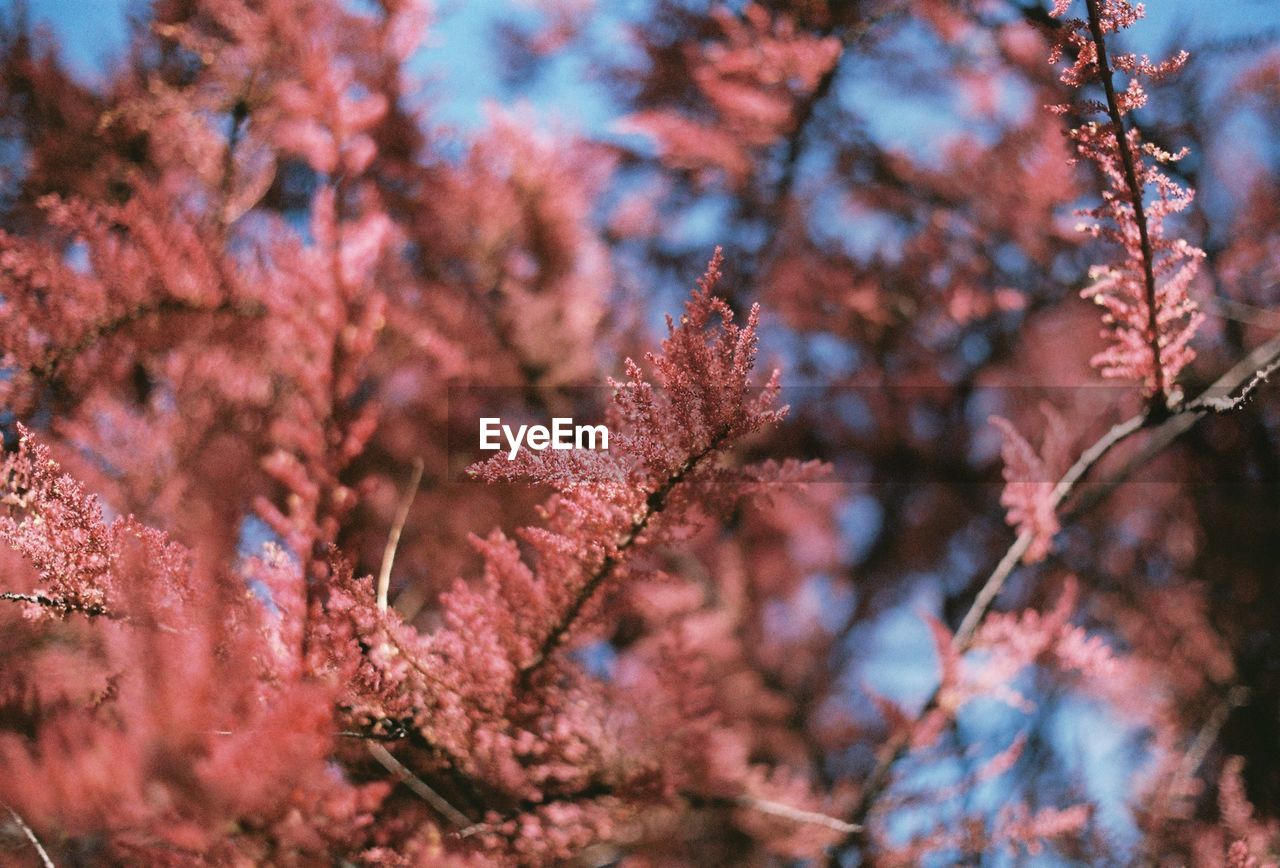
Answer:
(91, 31)
(459, 69)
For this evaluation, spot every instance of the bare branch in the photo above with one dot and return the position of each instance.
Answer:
(60, 604)
(31, 836)
(797, 815)
(995, 582)
(1262, 357)
(1237, 398)
(420, 787)
(393, 538)
(1236, 697)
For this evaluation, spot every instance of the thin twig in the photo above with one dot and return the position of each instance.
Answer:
(342, 733)
(807, 107)
(796, 141)
(797, 815)
(92, 610)
(420, 787)
(393, 538)
(31, 836)
(1237, 398)
(371, 736)
(1194, 758)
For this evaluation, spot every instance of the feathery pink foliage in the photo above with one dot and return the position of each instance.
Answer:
(754, 75)
(491, 692)
(186, 683)
(1150, 336)
(1030, 479)
(254, 280)
(1008, 643)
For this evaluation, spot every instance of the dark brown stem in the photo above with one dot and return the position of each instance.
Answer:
(91, 610)
(1135, 196)
(60, 604)
(796, 140)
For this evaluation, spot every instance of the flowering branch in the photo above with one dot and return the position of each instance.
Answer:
(1150, 323)
(897, 746)
(1135, 197)
(654, 504)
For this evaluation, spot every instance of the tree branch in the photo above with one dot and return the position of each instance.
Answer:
(1263, 357)
(49, 366)
(796, 815)
(1190, 765)
(92, 610)
(1246, 376)
(805, 112)
(1237, 398)
(995, 582)
(60, 604)
(808, 106)
(31, 836)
